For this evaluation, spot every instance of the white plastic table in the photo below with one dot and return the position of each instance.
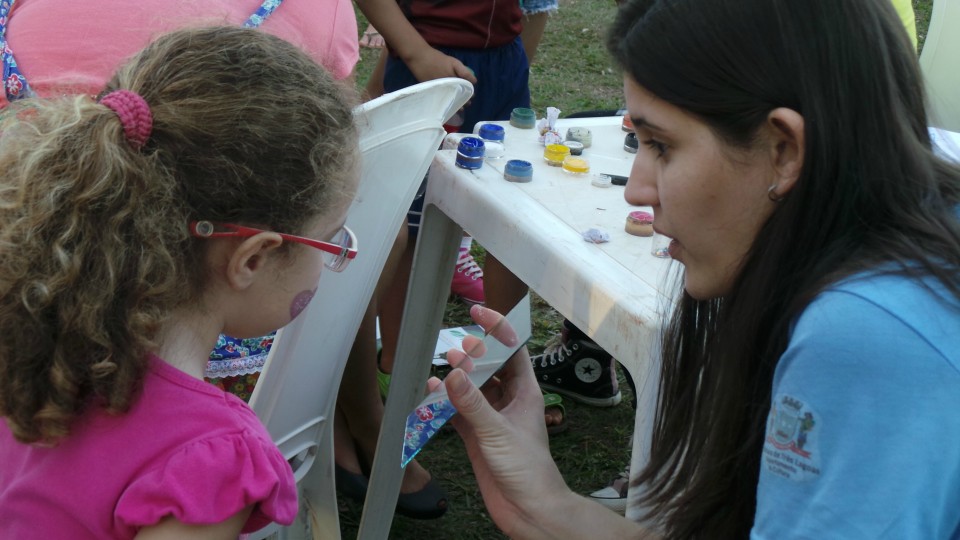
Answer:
(612, 291)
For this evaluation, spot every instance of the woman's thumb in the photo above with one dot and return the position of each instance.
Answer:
(468, 400)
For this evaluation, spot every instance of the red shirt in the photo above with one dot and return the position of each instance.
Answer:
(465, 24)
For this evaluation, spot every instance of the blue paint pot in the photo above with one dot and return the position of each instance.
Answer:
(470, 153)
(491, 132)
(518, 170)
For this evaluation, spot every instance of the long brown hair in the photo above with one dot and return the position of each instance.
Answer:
(94, 246)
(848, 67)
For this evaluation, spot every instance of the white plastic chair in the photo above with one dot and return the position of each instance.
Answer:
(939, 61)
(296, 394)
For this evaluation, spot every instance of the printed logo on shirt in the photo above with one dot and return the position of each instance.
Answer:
(791, 447)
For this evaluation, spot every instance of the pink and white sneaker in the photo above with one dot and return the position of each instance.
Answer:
(468, 279)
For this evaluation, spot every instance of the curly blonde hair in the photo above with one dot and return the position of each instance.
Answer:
(94, 247)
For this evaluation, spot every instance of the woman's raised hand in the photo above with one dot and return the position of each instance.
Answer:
(504, 433)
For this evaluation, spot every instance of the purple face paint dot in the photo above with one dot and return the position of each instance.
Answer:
(300, 303)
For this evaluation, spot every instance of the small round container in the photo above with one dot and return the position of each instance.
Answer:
(491, 132)
(660, 246)
(575, 166)
(494, 149)
(523, 118)
(576, 148)
(630, 143)
(581, 135)
(518, 170)
(601, 180)
(470, 153)
(627, 124)
(639, 223)
(553, 154)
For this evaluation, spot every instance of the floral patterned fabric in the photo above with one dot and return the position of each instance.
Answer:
(14, 83)
(422, 425)
(239, 385)
(235, 364)
(264, 11)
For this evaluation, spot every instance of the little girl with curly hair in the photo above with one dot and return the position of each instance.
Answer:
(213, 173)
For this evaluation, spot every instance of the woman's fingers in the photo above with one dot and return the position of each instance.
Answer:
(459, 359)
(470, 403)
(495, 324)
(473, 347)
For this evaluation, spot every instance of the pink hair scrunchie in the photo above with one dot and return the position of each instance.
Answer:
(134, 113)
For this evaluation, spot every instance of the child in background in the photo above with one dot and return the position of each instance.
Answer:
(134, 229)
(477, 41)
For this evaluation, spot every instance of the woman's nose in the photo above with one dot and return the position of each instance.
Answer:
(641, 187)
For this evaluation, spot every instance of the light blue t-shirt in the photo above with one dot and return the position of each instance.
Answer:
(863, 436)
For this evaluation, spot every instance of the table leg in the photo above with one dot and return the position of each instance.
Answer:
(648, 392)
(433, 262)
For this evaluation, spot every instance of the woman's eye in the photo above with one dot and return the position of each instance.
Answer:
(656, 146)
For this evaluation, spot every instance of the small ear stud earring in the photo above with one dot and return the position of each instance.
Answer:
(772, 194)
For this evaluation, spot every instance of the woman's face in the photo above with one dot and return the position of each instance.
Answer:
(709, 197)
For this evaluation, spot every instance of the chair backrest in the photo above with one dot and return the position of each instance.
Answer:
(297, 391)
(939, 61)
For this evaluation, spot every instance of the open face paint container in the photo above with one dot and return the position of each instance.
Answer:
(470, 153)
(518, 170)
(553, 154)
(575, 166)
(576, 148)
(523, 118)
(491, 132)
(581, 135)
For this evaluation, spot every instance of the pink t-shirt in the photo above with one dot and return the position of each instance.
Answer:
(185, 449)
(65, 46)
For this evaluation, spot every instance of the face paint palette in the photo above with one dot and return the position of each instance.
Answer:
(435, 410)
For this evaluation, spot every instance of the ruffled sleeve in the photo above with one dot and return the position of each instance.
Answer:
(210, 480)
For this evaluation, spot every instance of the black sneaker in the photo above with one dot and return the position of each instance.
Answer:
(579, 369)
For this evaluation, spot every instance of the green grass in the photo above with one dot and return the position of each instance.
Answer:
(572, 72)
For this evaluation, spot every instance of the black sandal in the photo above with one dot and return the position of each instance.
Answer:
(430, 502)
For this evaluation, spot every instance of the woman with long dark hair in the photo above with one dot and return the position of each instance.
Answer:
(811, 367)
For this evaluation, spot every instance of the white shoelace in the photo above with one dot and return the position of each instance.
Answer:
(468, 266)
(553, 351)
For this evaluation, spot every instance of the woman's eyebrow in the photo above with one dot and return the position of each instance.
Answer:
(639, 121)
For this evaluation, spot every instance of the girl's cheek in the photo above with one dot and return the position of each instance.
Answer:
(300, 303)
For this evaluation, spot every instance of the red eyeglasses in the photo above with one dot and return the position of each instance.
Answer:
(336, 254)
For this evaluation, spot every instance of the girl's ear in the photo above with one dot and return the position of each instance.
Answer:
(786, 147)
(247, 261)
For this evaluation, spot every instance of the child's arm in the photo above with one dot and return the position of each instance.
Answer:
(171, 529)
(425, 62)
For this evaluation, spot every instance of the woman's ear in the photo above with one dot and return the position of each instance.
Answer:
(787, 146)
(249, 258)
